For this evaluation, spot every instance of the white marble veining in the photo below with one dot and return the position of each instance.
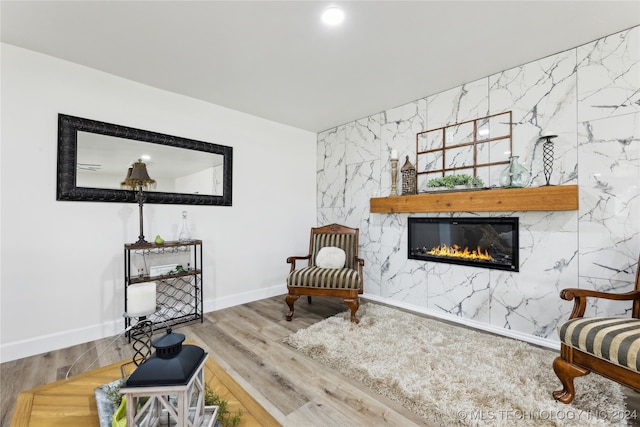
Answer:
(609, 179)
(399, 128)
(362, 139)
(602, 307)
(372, 270)
(363, 181)
(609, 73)
(459, 290)
(460, 104)
(331, 172)
(542, 98)
(598, 148)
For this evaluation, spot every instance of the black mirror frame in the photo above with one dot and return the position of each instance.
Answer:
(68, 127)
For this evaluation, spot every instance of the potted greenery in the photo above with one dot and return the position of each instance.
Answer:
(225, 417)
(109, 395)
(452, 181)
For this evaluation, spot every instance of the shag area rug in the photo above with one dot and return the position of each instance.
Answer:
(452, 375)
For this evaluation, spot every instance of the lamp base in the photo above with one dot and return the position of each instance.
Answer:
(141, 241)
(141, 198)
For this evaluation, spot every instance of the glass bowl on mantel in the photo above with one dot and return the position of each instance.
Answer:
(515, 175)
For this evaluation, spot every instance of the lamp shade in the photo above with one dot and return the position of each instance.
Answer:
(124, 184)
(137, 175)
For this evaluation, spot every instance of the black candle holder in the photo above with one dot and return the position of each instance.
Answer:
(140, 335)
(547, 155)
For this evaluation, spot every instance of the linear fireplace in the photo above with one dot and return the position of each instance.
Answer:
(477, 242)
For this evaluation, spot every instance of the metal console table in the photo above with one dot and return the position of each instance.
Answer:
(178, 286)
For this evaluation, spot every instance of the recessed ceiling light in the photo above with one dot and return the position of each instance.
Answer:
(333, 16)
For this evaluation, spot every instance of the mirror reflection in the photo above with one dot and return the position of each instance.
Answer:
(94, 158)
(103, 162)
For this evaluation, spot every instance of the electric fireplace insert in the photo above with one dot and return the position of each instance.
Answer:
(478, 242)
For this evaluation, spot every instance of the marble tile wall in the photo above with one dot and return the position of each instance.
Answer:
(590, 97)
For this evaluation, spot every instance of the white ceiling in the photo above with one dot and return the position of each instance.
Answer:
(278, 61)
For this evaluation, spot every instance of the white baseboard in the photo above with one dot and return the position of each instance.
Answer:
(44, 343)
(56, 341)
(245, 297)
(543, 342)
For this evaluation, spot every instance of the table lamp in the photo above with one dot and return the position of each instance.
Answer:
(137, 178)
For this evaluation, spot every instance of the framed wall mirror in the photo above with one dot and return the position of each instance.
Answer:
(94, 157)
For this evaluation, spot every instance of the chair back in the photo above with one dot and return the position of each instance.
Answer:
(342, 237)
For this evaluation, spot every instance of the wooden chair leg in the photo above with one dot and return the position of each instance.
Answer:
(290, 299)
(566, 372)
(353, 304)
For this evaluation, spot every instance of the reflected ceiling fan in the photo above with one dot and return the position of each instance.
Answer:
(89, 167)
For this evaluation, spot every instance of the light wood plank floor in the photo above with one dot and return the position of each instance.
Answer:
(247, 341)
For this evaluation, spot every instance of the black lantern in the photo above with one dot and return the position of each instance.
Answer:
(168, 388)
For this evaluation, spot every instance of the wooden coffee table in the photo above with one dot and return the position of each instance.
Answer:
(72, 402)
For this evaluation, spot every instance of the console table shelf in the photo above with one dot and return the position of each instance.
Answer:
(547, 198)
(179, 294)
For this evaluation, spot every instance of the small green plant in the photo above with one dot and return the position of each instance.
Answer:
(225, 418)
(477, 182)
(451, 181)
(113, 393)
(211, 398)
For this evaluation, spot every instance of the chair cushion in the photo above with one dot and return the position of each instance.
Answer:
(346, 242)
(330, 278)
(330, 257)
(614, 339)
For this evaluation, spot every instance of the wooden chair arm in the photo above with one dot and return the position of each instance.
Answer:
(359, 263)
(292, 260)
(580, 299)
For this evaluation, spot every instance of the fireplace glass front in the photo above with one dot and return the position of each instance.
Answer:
(477, 242)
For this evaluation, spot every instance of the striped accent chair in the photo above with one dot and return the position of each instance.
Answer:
(339, 281)
(609, 346)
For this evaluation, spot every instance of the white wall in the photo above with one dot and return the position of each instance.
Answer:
(590, 97)
(62, 262)
(206, 181)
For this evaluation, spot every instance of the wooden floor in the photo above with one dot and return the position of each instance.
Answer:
(71, 403)
(247, 341)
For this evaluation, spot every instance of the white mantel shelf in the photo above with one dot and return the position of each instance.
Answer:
(547, 198)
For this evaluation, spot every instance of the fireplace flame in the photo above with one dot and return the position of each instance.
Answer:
(455, 252)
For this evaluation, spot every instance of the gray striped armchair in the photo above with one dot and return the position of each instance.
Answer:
(333, 268)
(609, 346)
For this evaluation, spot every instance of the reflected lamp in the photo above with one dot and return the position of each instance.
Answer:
(138, 178)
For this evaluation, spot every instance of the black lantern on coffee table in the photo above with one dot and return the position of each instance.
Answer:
(168, 388)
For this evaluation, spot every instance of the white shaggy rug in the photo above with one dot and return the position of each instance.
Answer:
(452, 375)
